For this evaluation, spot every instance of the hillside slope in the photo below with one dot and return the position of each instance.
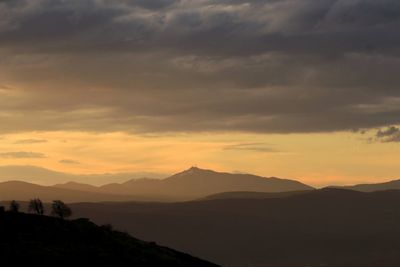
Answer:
(46, 241)
(252, 195)
(391, 185)
(39, 175)
(25, 191)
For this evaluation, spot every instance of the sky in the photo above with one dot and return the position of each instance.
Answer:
(296, 89)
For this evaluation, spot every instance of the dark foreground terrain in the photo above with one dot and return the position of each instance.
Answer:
(329, 227)
(32, 240)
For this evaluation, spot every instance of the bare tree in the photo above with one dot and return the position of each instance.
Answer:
(36, 206)
(14, 206)
(60, 209)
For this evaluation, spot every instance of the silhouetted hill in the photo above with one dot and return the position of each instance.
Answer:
(77, 186)
(33, 240)
(252, 195)
(39, 175)
(25, 191)
(329, 227)
(196, 183)
(191, 184)
(146, 186)
(391, 185)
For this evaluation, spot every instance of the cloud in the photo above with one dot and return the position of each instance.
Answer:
(22, 155)
(68, 161)
(257, 147)
(390, 134)
(30, 141)
(161, 66)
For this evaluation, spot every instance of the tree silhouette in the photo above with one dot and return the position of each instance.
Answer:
(14, 206)
(36, 206)
(60, 209)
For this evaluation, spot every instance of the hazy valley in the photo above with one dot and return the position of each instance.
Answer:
(328, 227)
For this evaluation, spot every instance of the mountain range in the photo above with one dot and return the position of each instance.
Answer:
(43, 176)
(187, 185)
(391, 185)
(193, 183)
(25, 191)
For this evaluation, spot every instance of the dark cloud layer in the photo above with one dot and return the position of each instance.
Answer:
(390, 134)
(206, 65)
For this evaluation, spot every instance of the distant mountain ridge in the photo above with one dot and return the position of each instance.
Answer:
(253, 195)
(194, 183)
(77, 186)
(391, 185)
(190, 184)
(43, 176)
(25, 191)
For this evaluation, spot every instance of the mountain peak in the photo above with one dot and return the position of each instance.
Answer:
(193, 169)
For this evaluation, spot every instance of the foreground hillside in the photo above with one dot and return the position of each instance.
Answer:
(46, 241)
(318, 228)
